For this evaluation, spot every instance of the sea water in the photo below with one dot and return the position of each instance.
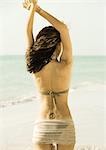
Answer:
(17, 85)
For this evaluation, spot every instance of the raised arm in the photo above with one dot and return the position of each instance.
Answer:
(29, 25)
(64, 33)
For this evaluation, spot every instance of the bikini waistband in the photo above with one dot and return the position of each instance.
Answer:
(54, 121)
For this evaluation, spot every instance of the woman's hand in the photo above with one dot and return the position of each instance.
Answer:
(27, 3)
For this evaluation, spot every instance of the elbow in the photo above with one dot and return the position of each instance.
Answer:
(64, 27)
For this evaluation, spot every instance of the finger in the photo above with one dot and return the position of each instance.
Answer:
(29, 7)
(24, 5)
(28, 1)
(24, 1)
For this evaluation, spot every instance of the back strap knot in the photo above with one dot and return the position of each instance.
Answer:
(53, 100)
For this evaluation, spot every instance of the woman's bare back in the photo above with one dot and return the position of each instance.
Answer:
(55, 77)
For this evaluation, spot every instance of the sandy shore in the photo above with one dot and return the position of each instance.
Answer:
(87, 108)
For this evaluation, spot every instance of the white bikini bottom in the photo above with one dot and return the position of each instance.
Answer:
(54, 132)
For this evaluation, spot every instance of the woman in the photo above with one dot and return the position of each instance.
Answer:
(49, 59)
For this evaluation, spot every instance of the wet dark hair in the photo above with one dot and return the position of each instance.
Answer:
(41, 51)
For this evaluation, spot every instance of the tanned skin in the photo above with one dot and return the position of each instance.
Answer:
(54, 76)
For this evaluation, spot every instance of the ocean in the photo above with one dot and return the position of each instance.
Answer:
(17, 86)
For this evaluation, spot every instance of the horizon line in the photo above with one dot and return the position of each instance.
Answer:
(73, 55)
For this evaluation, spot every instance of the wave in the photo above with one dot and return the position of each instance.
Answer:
(74, 88)
(89, 147)
(87, 84)
(17, 101)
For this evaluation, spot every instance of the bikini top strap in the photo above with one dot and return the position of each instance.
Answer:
(62, 92)
(54, 93)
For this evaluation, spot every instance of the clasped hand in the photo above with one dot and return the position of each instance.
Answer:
(27, 3)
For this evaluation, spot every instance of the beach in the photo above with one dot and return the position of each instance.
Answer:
(20, 103)
(19, 99)
(87, 108)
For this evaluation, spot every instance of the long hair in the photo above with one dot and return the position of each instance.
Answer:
(41, 51)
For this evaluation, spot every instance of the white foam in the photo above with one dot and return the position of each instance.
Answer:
(85, 85)
(17, 101)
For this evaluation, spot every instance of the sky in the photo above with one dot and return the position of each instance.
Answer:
(85, 18)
